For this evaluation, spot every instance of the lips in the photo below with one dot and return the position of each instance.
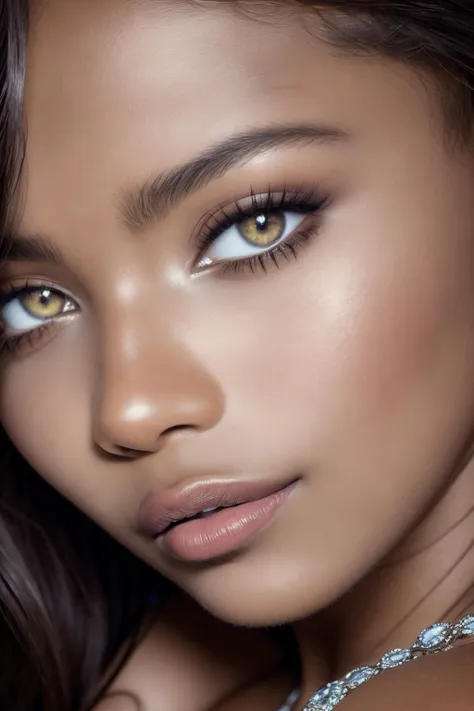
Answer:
(162, 512)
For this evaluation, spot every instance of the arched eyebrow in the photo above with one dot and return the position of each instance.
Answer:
(23, 248)
(151, 202)
(143, 206)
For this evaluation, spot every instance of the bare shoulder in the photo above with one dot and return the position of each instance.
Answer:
(190, 662)
(441, 682)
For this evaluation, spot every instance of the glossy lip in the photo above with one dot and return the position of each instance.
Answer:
(159, 511)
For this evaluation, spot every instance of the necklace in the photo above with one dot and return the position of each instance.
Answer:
(440, 637)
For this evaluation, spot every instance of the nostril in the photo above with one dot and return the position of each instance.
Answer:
(128, 453)
(178, 429)
(141, 446)
(128, 422)
(114, 452)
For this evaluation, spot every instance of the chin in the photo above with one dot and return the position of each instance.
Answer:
(244, 599)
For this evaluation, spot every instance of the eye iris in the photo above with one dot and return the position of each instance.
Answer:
(263, 230)
(43, 303)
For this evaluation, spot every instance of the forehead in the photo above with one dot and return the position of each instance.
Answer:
(119, 90)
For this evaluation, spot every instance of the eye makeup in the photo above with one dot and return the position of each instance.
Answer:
(255, 234)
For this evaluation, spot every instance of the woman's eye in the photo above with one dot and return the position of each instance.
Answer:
(252, 236)
(32, 307)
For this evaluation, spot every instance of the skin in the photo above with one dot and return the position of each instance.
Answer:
(349, 368)
(192, 661)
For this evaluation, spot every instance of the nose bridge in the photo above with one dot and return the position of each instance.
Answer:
(150, 385)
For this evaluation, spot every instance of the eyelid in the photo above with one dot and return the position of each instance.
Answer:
(10, 289)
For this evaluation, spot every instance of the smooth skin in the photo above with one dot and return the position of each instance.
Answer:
(348, 368)
(189, 661)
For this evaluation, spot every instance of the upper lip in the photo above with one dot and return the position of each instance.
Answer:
(158, 511)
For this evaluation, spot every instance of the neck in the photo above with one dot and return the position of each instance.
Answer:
(428, 578)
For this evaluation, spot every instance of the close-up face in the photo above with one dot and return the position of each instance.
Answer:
(243, 277)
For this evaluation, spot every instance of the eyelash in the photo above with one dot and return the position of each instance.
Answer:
(13, 344)
(304, 202)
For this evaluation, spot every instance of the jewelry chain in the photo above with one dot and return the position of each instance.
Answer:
(440, 637)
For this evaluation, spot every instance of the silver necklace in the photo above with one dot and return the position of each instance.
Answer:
(440, 637)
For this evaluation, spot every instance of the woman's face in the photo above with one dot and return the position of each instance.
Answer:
(244, 260)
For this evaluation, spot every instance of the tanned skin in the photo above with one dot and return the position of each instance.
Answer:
(348, 369)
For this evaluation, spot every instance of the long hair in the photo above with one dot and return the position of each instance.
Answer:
(72, 601)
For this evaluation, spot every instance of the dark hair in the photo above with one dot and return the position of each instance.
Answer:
(72, 601)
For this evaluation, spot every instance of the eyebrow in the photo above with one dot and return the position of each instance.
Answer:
(152, 201)
(23, 248)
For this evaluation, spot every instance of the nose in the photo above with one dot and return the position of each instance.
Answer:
(145, 401)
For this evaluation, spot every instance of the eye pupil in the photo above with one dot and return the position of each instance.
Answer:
(44, 297)
(262, 222)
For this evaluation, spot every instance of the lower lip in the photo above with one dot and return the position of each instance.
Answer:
(224, 532)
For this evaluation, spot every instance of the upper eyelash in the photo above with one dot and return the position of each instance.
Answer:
(12, 292)
(299, 200)
(9, 292)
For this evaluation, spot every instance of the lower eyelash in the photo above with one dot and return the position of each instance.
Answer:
(282, 253)
(11, 345)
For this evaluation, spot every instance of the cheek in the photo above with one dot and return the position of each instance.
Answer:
(366, 343)
(45, 406)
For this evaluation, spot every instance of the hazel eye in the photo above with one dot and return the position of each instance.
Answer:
(263, 230)
(32, 307)
(252, 236)
(43, 303)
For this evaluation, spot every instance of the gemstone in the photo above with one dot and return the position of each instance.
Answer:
(360, 676)
(395, 658)
(328, 697)
(467, 625)
(434, 636)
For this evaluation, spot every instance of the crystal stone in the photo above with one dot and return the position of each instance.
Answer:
(437, 638)
(328, 697)
(395, 658)
(360, 676)
(467, 625)
(433, 636)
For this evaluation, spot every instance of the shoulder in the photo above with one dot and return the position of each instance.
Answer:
(437, 682)
(189, 661)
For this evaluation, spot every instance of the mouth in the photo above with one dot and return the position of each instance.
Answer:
(206, 513)
(207, 520)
